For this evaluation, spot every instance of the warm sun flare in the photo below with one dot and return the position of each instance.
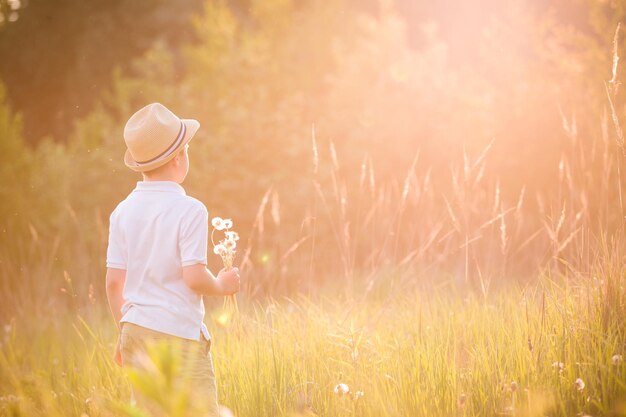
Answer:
(283, 208)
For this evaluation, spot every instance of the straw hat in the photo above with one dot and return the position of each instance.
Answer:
(153, 136)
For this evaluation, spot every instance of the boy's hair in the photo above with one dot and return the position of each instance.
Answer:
(156, 170)
(162, 167)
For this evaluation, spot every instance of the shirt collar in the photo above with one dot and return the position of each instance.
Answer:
(165, 186)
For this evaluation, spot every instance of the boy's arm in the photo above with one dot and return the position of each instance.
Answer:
(201, 280)
(115, 280)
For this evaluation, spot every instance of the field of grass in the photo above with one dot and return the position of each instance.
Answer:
(484, 304)
(431, 293)
(427, 352)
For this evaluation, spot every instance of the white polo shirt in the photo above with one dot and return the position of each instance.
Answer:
(153, 234)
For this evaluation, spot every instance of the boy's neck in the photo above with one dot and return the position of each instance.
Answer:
(159, 178)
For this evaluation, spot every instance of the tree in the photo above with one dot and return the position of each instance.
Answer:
(56, 58)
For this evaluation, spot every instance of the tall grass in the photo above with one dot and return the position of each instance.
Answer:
(439, 352)
(465, 223)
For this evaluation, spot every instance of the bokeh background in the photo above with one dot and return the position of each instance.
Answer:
(471, 142)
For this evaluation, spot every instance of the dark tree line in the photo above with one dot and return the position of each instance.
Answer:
(57, 57)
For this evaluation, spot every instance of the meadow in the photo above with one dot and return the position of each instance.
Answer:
(391, 334)
(417, 238)
(555, 349)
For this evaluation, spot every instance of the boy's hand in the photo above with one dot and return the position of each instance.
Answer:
(229, 281)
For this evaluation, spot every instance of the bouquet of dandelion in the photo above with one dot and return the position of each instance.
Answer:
(225, 248)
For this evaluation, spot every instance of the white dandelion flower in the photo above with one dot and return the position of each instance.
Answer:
(232, 235)
(341, 389)
(617, 359)
(559, 365)
(228, 223)
(230, 244)
(220, 250)
(358, 395)
(218, 223)
(579, 384)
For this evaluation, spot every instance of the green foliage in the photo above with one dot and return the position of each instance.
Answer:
(57, 57)
(15, 164)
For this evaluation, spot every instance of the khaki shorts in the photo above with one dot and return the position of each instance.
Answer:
(195, 368)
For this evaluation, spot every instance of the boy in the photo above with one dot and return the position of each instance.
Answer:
(157, 255)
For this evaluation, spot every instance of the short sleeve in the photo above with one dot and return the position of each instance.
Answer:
(116, 250)
(194, 235)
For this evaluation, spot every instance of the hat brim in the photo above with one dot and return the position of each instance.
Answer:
(192, 127)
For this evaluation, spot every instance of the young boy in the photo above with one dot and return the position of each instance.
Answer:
(157, 255)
